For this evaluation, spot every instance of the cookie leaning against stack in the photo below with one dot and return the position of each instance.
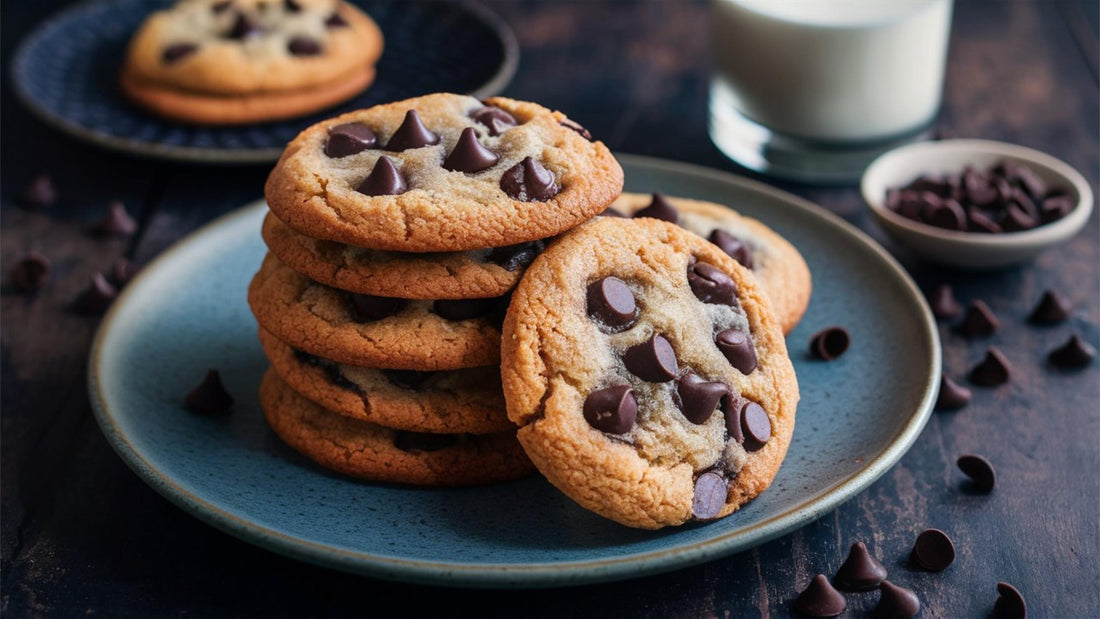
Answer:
(385, 361)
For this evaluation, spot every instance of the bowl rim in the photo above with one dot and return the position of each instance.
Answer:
(1040, 235)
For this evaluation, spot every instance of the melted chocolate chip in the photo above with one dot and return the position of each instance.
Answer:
(331, 370)
(756, 426)
(463, 309)
(1075, 353)
(896, 602)
(944, 304)
(244, 27)
(422, 441)
(121, 272)
(829, 343)
(952, 395)
(611, 302)
(411, 134)
(1010, 603)
(861, 571)
(407, 379)
(496, 120)
(303, 46)
(384, 180)
(349, 139)
(738, 349)
(980, 321)
(30, 272)
(177, 51)
(516, 257)
(529, 181)
(659, 208)
(992, 371)
(820, 599)
(733, 246)
(612, 409)
(291, 6)
(933, 551)
(97, 297)
(116, 221)
(979, 470)
(711, 491)
(1051, 309)
(711, 285)
(568, 124)
(698, 398)
(653, 360)
(469, 155)
(210, 396)
(367, 307)
(40, 192)
(335, 20)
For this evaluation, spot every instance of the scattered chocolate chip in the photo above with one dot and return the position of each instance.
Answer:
(992, 371)
(820, 599)
(612, 409)
(463, 309)
(1051, 309)
(698, 398)
(829, 343)
(407, 379)
(335, 20)
(529, 181)
(755, 425)
(349, 139)
(291, 6)
(422, 441)
(861, 571)
(612, 212)
(943, 303)
(711, 285)
(952, 395)
(411, 134)
(1055, 208)
(97, 297)
(121, 272)
(653, 360)
(1010, 603)
(384, 180)
(40, 192)
(496, 120)
(711, 491)
(177, 51)
(933, 550)
(516, 257)
(303, 46)
(980, 321)
(568, 124)
(1075, 353)
(30, 272)
(116, 221)
(979, 470)
(896, 602)
(243, 27)
(367, 307)
(738, 349)
(733, 246)
(210, 396)
(469, 155)
(219, 7)
(659, 208)
(611, 302)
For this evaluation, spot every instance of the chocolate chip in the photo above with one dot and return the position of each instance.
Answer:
(979, 470)
(1075, 353)
(1026, 178)
(116, 221)
(516, 257)
(659, 208)
(411, 134)
(40, 192)
(407, 379)
(896, 602)
(1055, 208)
(980, 321)
(1010, 603)
(97, 297)
(933, 550)
(30, 272)
(952, 395)
(860, 571)
(331, 370)
(121, 272)
(698, 398)
(335, 20)
(738, 349)
(367, 307)
(992, 371)
(463, 309)
(711, 285)
(978, 221)
(711, 491)
(829, 343)
(568, 124)
(303, 46)
(469, 155)
(933, 185)
(820, 599)
(978, 190)
(177, 51)
(611, 302)
(244, 27)
(291, 6)
(611, 409)
(384, 180)
(943, 303)
(349, 139)
(733, 246)
(756, 425)
(948, 215)
(653, 360)
(496, 120)
(422, 441)
(1018, 220)
(612, 212)
(1051, 309)
(219, 7)
(529, 181)
(731, 408)
(210, 396)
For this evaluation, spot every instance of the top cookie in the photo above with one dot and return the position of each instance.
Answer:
(648, 374)
(442, 172)
(242, 47)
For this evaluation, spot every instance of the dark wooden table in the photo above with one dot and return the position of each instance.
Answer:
(82, 535)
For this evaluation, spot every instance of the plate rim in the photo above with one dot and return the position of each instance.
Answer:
(543, 574)
(222, 156)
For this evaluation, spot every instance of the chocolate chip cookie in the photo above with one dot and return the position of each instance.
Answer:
(776, 264)
(380, 332)
(453, 275)
(238, 61)
(376, 453)
(442, 173)
(648, 374)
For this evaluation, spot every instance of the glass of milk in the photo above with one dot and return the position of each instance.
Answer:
(813, 90)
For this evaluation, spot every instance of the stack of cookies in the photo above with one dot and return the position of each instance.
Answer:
(396, 235)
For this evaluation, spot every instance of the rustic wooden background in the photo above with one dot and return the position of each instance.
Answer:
(81, 535)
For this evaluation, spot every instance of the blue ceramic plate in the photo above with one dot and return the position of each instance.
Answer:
(66, 71)
(187, 312)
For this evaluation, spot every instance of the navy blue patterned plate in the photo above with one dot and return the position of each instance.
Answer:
(66, 71)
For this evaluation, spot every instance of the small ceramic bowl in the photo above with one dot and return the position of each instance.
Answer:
(972, 250)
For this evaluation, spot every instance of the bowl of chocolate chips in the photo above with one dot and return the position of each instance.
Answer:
(976, 204)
